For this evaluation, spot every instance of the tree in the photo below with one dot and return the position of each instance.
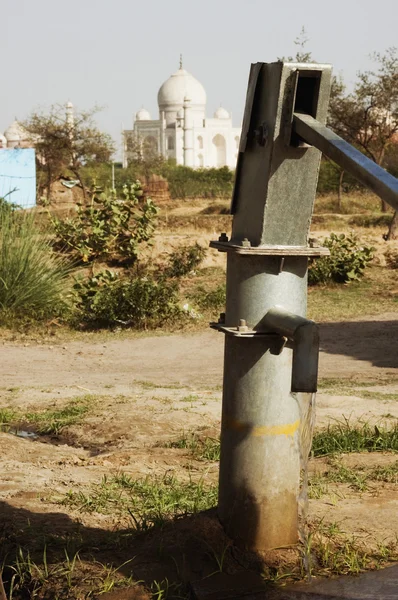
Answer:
(368, 117)
(66, 141)
(142, 153)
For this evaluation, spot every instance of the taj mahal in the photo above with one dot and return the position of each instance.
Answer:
(183, 132)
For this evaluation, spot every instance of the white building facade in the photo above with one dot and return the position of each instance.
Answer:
(183, 132)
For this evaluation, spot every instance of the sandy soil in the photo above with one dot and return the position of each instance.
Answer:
(150, 389)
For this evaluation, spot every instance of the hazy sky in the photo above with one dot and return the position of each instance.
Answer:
(118, 53)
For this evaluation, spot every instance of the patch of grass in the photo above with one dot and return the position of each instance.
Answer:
(149, 502)
(213, 300)
(32, 277)
(63, 579)
(336, 302)
(7, 416)
(344, 437)
(346, 387)
(317, 487)
(149, 385)
(200, 448)
(49, 421)
(334, 383)
(190, 398)
(375, 220)
(339, 554)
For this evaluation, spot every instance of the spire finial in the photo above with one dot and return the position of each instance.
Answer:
(180, 61)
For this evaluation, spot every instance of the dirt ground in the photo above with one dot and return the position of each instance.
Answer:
(151, 389)
(147, 390)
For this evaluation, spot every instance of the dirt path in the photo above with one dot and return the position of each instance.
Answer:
(146, 391)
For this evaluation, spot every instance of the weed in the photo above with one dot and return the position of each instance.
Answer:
(392, 258)
(67, 578)
(358, 478)
(50, 422)
(200, 448)
(184, 260)
(108, 228)
(109, 300)
(191, 398)
(210, 300)
(347, 260)
(7, 416)
(344, 437)
(163, 590)
(32, 277)
(317, 487)
(149, 502)
(150, 385)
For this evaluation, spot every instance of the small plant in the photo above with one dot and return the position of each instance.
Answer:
(213, 300)
(109, 228)
(392, 258)
(108, 300)
(149, 502)
(346, 263)
(200, 448)
(184, 260)
(344, 437)
(32, 277)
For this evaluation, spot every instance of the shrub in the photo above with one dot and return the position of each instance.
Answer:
(32, 277)
(211, 300)
(108, 229)
(392, 258)
(377, 220)
(347, 261)
(184, 260)
(109, 300)
(185, 182)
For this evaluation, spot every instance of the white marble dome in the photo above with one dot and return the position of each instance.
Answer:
(143, 115)
(180, 85)
(13, 133)
(221, 113)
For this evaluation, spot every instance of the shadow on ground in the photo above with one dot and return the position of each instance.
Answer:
(372, 341)
(186, 549)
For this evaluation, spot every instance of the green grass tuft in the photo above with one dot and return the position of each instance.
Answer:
(149, 502)
(344, 437)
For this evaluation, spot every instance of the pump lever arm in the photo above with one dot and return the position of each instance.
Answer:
(347, 157)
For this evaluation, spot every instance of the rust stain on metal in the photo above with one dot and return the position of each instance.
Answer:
(265, 525)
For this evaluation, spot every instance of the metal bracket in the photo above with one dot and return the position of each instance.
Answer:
(277, 342)
(270, 250)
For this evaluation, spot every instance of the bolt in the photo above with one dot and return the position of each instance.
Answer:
(246, 243)
(221, 318)
(242, 325)
(223, 237)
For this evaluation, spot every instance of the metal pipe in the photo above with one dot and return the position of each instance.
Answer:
(260, 453)
(305, 336)
(347, 157)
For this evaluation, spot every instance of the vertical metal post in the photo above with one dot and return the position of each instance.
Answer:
(267, 268)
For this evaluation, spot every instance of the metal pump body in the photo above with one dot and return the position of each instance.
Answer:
(271, 349)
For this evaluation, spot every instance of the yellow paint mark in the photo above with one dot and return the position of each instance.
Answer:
(286, 429)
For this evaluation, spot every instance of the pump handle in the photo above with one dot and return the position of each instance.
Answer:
(347, 157)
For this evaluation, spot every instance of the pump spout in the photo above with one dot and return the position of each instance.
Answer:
(305, 336)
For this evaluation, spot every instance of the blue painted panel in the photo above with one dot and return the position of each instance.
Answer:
(18, 173)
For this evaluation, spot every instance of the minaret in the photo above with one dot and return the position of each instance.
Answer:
(70, 117)
(188, 133)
